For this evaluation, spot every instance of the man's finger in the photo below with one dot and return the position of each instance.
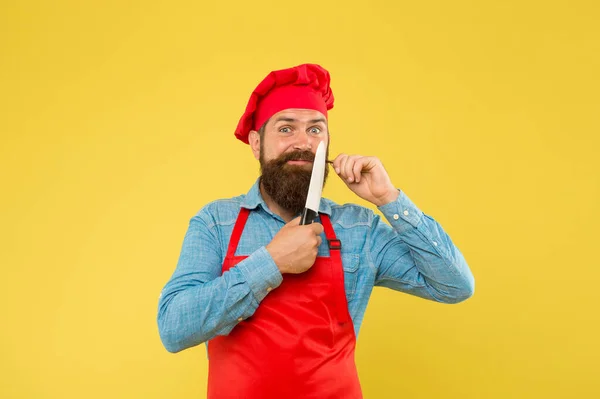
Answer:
(317, 228)
(337, 162)
(357, 168)
(348, 174)
(343, 162)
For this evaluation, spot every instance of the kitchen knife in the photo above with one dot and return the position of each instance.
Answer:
(315, 188)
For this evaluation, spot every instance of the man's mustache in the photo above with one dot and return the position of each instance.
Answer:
(299, 156)
(296, 156)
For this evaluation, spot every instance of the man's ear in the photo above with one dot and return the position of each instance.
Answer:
(254, 141)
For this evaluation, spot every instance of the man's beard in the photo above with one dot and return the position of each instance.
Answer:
(287, 184)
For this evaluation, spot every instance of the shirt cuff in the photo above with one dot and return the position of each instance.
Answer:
(402, 214)
(261, 273)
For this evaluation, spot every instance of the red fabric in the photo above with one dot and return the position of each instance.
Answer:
(303, 86)
(298, 344)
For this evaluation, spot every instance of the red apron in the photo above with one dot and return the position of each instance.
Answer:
(299, 343)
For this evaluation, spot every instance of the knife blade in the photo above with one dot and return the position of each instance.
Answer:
(315, 187)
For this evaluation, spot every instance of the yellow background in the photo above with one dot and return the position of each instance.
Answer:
(117, 127)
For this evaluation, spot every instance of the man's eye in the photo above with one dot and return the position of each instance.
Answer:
(285, 130)
(315, 130)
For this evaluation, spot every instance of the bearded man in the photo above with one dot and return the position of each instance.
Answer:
(278, 303)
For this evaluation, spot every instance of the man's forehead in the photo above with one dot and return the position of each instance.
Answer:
(299, 115)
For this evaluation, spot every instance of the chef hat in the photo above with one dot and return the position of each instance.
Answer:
(303, 86)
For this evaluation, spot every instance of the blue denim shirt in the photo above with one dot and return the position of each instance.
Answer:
(414, 256)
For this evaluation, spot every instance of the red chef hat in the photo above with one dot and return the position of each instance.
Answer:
(303, 86)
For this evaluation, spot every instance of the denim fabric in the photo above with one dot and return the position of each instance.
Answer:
(414, 255)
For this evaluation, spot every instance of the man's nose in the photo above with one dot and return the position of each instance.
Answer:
(303, 142)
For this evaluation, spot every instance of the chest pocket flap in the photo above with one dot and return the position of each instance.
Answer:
(350, 263)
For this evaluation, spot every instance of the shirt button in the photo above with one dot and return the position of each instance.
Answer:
(396, 216)
(269, 289)
(405, 213)
(240, 319)
(435, 243)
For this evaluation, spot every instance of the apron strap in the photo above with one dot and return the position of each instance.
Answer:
(237, 231)
(334, 243)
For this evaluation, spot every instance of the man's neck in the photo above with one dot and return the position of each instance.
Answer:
(272, 205)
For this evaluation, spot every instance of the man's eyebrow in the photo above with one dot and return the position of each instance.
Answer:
(284, 119)
(292, 120)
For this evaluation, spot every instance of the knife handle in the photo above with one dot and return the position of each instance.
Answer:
(308, 216)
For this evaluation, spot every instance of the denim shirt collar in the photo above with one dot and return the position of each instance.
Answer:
(253, 199)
